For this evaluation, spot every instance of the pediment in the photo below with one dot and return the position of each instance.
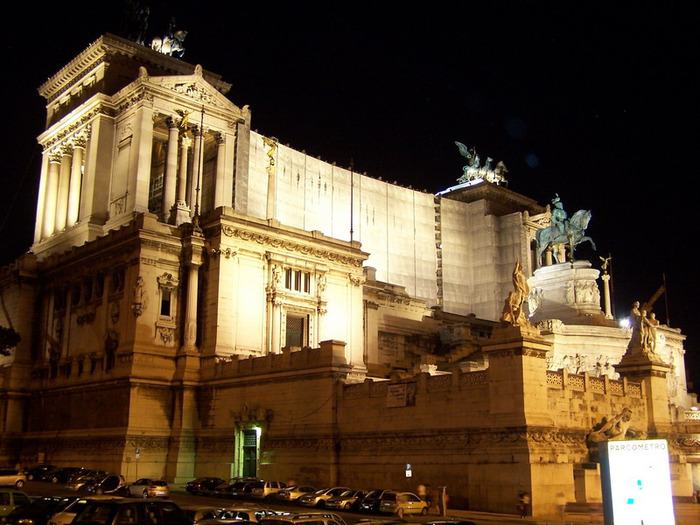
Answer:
(193, 87)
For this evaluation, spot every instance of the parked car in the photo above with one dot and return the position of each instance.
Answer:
(10, 477)
(318, 498)
(39, 511)
(10, 499)
(264, 489)
(235, 489)
(370, 502)
(67, 515)
(203, 485)
(348, 500)
(36, 473)
(310, 518)
(80, 481)
(401, 503)
(294, 492)
(64, 474)
(149, 488)
(124, 511)
(238, 515)
(198, 513)
(450, 522)
(109, 484)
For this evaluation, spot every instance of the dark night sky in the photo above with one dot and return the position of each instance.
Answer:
(593, 101)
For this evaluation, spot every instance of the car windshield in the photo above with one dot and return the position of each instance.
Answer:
(347, 493)
(159, 483)
(321, 491)
(45, 503)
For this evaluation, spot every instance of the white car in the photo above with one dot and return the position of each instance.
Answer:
(10, 477)
(149, 488)
(66, 515)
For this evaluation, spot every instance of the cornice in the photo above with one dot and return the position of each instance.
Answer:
(274, 241)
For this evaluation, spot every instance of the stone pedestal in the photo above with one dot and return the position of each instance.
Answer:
(652, 373)
(516, 376)
(568, 292)
(587, 483)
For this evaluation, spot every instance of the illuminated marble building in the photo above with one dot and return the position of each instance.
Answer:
(202, 300)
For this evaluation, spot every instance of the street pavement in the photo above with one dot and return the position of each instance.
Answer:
(686, 513)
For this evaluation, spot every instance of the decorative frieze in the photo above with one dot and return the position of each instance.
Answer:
(278, 243)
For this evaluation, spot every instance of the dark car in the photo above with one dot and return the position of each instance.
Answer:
(37, 473)
(64, 474)
(450, 522)
(370, 501)
(39, 511)
(131, 512)
(236, 489)
(203, 485)
(109, 484)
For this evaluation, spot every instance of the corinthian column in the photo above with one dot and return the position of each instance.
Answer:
(51, 194)
(220, 186)
(76, 177)
(181, 212)
(191, 307)
(170, 183)
(63, 185)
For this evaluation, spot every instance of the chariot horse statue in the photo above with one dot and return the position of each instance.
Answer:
(563, 230)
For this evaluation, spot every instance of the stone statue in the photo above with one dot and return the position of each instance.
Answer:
(613, 429)
(513, 311)
(171, 44)
(563, 230)
(136, 20)
(644, 327)
(471, 156)
(473, 171)
(138, 296)
(272, 144)
(649, 340)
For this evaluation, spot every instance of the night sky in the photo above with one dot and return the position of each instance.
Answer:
(597, 103)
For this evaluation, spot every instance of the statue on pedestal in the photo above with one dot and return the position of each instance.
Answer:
(513, 311)
(644, 328)
(563, 231)
(472, 171)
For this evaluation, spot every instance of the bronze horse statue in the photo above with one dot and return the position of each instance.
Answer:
(572, 234)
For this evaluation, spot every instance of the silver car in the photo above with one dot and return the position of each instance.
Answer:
(149, 488)
(10, 477)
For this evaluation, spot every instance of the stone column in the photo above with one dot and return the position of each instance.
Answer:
(63, 187)
(143, 141)
(219, 188)
(276, 339)
(41, 199)
(76, 176)
(181, 212)
(197, 168)
(190, 341)
(194, 246)
(606, 296)
(51, 194)
(170, 182)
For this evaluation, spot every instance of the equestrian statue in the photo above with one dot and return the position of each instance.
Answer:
(563, 231)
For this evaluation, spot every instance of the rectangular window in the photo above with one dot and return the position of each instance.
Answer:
(297, 330)
(297, 280)
(165, 296)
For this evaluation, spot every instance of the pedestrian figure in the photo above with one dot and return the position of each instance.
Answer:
(561, 503)
(524, 504)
